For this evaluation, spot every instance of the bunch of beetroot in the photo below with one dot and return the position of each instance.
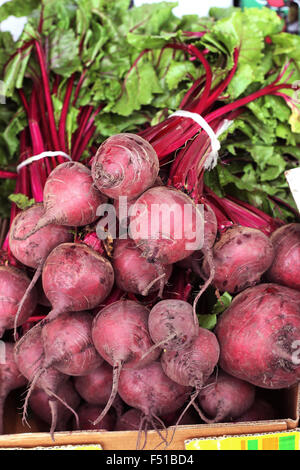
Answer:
(121, 345)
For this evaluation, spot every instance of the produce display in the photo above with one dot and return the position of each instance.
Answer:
(150, 276)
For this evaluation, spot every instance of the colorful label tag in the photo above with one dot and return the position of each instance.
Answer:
(272, 441)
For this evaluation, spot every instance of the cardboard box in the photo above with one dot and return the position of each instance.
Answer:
(287, 400)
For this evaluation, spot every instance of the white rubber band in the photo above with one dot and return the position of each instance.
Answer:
(42, 155)
(212, 159)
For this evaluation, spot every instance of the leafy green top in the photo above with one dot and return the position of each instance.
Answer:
(120, 55)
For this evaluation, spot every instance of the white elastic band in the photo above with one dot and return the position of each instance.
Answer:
(212, 159)
(42, 155)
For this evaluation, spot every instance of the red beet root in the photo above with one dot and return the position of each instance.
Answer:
(68, 344)
(13, 285)
(240, 258)
(166, 225)
(120, 335)
(33, 251)
(134, 273)
(259, 336)
(125, 165)
(261, 410)
(41, 405)
(76, 278)
(152, 392)
(285, 269)
(129, 421)
(171, 324)
(70, 198)
(95, 388)
(10, 376)
(193, 365)
(30, 357)
(87, 415)
(225, 398)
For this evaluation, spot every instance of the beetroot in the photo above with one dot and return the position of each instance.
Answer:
(153, 393)
(120, 335)
(13, 285)
(285, 269)
(133, 273)
(70, 198)
(125, 165)
(240, 258)
(33, 251)
(225, 398)
(95, 388)
(260, 410)
(122, 205)
(10, 376)
(30, 357)
(42, 299)
(166, 225)
(129, 421)
(193, 365)
(87, 415)
(171, 324)
(259, 336)
(41, 405)
(75, 278)
(68, 344)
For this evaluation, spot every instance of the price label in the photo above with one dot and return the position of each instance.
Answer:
(271, 441)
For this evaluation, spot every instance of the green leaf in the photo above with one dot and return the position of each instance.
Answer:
(64, 56)
(21, 201)
(109, 124)
(265, 19)
(143, 41)
(295, 119)
(222, 303)
(18, 8)
(6, 49)
(139, 87)
(241, 80)
(150, 18)
(11, 133)
(178, 71)
(287, 44)
(238, 31)
(207, 321)
(92, 49)
(220, 13)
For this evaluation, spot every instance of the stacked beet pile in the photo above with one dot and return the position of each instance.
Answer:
(121, 344)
